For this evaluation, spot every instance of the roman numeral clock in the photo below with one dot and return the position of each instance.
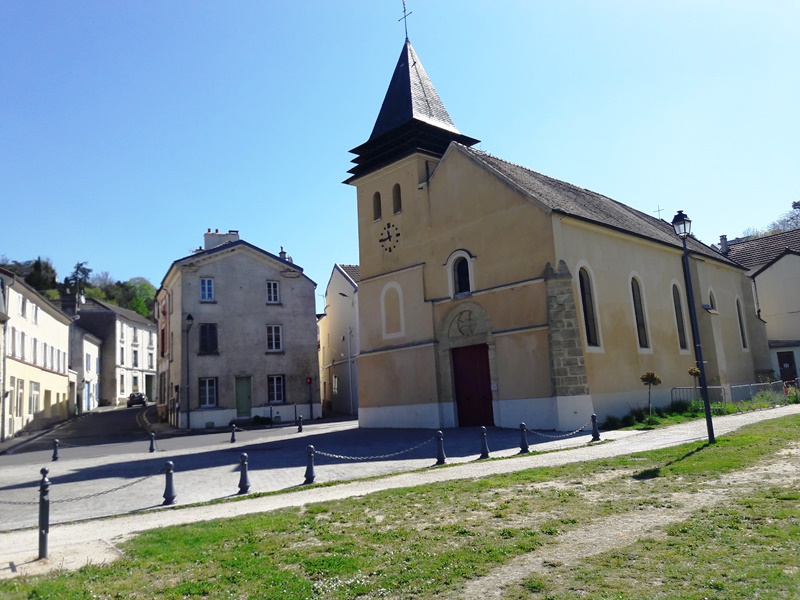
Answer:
(390, 236)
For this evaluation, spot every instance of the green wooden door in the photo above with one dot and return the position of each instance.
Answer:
(244, 397)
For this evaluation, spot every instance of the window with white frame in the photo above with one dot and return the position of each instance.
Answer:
(122, 355)
(460, 274)
(23, 343)
(88, 363)
(335, 385)
(33, 398)
(206, 289)
(121, 331)
(122, 384)
(149, 360)
(35, 314)
(274, 338)
(135, 383)
(20, 396)
(136, 358)
(35, 351)
(23, 307)
(208, 392)
(273, 292)
(135, 335)
(275, 389)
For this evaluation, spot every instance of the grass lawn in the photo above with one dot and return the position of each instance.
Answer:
(741, 541)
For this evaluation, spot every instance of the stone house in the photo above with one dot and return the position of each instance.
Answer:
(237, 336)
(491, 294)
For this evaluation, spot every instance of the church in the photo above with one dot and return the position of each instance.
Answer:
(491, 294)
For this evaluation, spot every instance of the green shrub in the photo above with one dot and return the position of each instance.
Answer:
(628, 420)
(612, 422)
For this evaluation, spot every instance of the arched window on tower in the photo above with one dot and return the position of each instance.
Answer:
(376, 206)
(397, 202)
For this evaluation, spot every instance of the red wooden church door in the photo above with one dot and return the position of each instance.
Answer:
(473, 386)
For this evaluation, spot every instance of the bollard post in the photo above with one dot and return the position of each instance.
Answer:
(484, 444)
(523, 439)
(169, 489)
(244, 479)
(55, 449)
(44, 512)
(300, 424)
(310, 475)
(233, 433)
(152, 442)
(440, 457)
(595, 430)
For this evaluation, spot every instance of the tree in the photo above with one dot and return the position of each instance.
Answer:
(79, 278)
(786, 222)
(650, 379)
(695, 373)
(42, 275)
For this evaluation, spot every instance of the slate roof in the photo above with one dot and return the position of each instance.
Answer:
(412, 119)
(580, 203)
(131, 315)
(352, 271)
(753, 252)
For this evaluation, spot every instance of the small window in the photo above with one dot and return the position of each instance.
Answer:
(23, 307)
(149, 360)
(122, 355)
(206, 290)
(275, 389)
(135, 383)
(35, 314)
(273, 292)
(122, 385)
(376, 206)
(135, 359)
(638, 311)
(135, 335)
(208, 392)
(587, 303)
(88, 361)
(461, 284)
(397, 202)
(274, 338)
(208, 338)
(679, 322)
(741, 324)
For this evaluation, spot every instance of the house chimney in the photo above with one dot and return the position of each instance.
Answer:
(723, 244)
(212, 240)
(282, 254)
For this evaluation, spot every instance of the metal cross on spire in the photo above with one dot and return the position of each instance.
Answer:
(404, 19)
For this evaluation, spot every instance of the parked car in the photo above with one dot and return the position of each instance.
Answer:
(137, 398)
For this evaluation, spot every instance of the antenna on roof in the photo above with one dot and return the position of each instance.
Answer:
(404, 19)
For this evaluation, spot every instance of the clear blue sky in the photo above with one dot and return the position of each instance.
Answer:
(129, 128)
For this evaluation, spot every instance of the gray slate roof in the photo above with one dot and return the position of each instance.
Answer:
(753, 252)
(131, 315)
(580, 203)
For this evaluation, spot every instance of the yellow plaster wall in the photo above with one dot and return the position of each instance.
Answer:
(779, 298)
(401, 377)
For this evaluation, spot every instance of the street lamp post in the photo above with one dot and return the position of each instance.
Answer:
(683, 228)
(189, 323)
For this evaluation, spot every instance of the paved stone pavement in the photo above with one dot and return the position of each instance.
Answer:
(277, 462)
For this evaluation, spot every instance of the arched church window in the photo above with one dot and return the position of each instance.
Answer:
(587, 304)
(376, 206)
(397, 203)
(461, 284)
(679, 322)
(741, 324)
(638, 312)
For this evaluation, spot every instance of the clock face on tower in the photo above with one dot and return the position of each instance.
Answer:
(390, 236)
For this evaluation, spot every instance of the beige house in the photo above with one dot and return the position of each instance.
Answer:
(338, 341)
(774, 266)
(36, 384)
(491, 294)
(237, 337)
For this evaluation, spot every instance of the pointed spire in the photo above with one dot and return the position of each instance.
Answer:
(412, 118)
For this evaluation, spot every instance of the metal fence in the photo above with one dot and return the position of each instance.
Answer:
(774, 389)
(773, 392)
(688, 394)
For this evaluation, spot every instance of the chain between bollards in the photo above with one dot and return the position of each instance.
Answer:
(523, 439)
(310, 475)
(169, 489)
(484, 445)
(44, 512)
(55, 450)
(244, 478)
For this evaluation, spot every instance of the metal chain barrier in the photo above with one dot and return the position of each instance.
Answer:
(563, 435)
(9, 502)
(104, 492)
(377, 456)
